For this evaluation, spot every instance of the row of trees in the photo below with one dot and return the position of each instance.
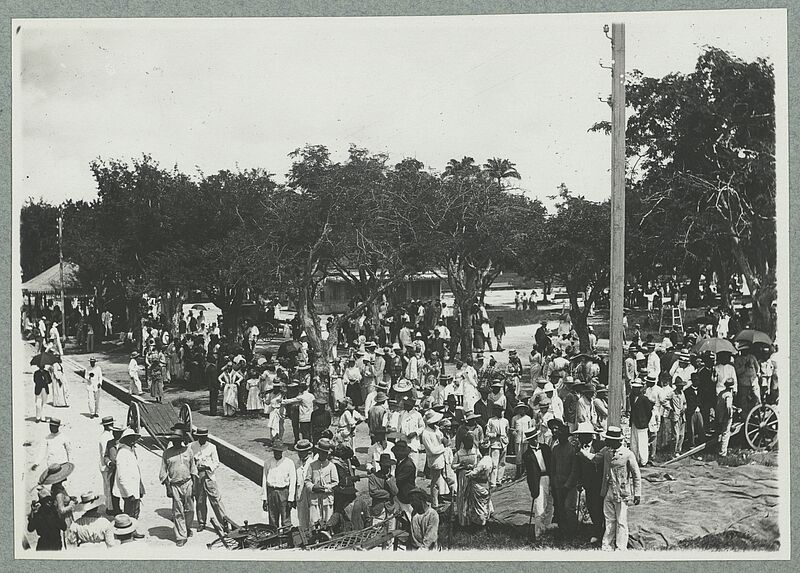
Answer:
(701, 198)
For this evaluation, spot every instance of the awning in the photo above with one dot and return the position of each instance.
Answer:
(49, 281)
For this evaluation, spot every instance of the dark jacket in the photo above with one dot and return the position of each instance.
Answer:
(563, 463)
(533, 472)
(405, 476)
(482, 409)
(641, 411)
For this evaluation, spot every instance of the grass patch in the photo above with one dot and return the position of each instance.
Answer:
(728, 541)
(503, 536)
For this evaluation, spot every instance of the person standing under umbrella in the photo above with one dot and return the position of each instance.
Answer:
(41, 389)
(59, 389)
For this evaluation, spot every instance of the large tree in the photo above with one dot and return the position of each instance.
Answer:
(703, 145)
(575, 249)
(38, 237)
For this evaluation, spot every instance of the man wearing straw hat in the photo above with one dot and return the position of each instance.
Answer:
(89, 527)
(621, 482)
(206, 490)
(57, 449)
(321, 479)
(411, 424)
(537, 463)
(178, 473)
(378, 416)
(301, 500)
(279, 486)
(128, 484)
(589, 476)
(105, 436)
(434, 443)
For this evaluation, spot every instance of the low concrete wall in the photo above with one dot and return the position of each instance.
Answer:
(237, 459)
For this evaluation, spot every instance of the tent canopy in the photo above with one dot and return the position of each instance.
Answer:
(49, 281)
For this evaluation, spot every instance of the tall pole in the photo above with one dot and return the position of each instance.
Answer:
(61, 272)
(616, 392)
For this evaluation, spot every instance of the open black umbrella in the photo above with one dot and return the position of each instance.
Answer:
(289, 348)
(753, 337)
(45, 359)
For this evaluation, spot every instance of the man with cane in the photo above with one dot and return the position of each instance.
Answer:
(537, 463)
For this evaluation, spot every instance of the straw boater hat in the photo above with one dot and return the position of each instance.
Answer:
(403, 385)
(512, 352)
(107, 421)
(521, 406)
(324, 445)
(445, 378)
(303, 446)
(432, 417)
(531, 434)
(129, 436)
(650, 379)
(548, 387)
(124, 524)
(380, 351)
(584, 428)
(134, 354)
(56, 473)
(637, 385)
(201, 432)
(87, 502)
(470, 416)
(613, 433)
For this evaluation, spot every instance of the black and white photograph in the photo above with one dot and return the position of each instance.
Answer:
(432, 288)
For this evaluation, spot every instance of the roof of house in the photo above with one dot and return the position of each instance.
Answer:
(49, 281)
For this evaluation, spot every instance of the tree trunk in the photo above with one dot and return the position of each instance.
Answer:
(317, 346)
(762, 316)
(465, 309)
(581, 326)
(547, 287)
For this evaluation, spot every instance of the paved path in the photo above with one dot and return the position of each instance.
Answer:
(241, 496)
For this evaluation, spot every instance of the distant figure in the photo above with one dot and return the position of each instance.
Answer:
(107, 320)
(517, 301)
(524, 301)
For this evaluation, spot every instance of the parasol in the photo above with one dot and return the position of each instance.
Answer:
(714, 345)
(45, 359)
(753, 337)
(288, 348)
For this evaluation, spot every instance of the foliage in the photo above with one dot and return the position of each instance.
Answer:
(704, 149)
(38, 237)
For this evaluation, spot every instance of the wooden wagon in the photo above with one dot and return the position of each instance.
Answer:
(159, 419)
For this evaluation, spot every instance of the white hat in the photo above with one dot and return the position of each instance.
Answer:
(549, 387)
(432, 417)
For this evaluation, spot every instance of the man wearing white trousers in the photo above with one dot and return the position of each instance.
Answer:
(105, 471)
(94, 380)
(621, 482)
(641, 412)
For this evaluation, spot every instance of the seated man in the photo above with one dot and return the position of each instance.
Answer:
(424, 522)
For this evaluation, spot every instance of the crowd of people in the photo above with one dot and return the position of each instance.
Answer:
(438, 433)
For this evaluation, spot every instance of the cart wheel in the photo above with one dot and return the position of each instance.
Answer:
(761, 427)
(134, 417)
(185, 416)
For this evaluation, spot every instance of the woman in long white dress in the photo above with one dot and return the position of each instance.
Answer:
(254, 403)
(229, 382)
(276, 414)
(59, 388)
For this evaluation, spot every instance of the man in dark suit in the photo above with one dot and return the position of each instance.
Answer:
(537, 463)
(482, 407)
(405, 475)
(211, 375)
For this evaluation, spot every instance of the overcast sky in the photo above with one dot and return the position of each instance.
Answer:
(216, 94)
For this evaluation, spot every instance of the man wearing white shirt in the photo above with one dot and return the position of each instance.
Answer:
(105, 472)
(305, 401)
(682, 368)
(279, 487)
(381, 446)
(57, 449)
(411, 424)
(94, 380)
(653, 361)
(206, 491)
(301, 500)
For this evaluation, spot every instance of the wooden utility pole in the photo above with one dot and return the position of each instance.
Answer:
(61, 271)
(616, 385)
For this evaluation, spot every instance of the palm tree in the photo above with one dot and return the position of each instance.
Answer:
(498, 169)
(465, 167)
